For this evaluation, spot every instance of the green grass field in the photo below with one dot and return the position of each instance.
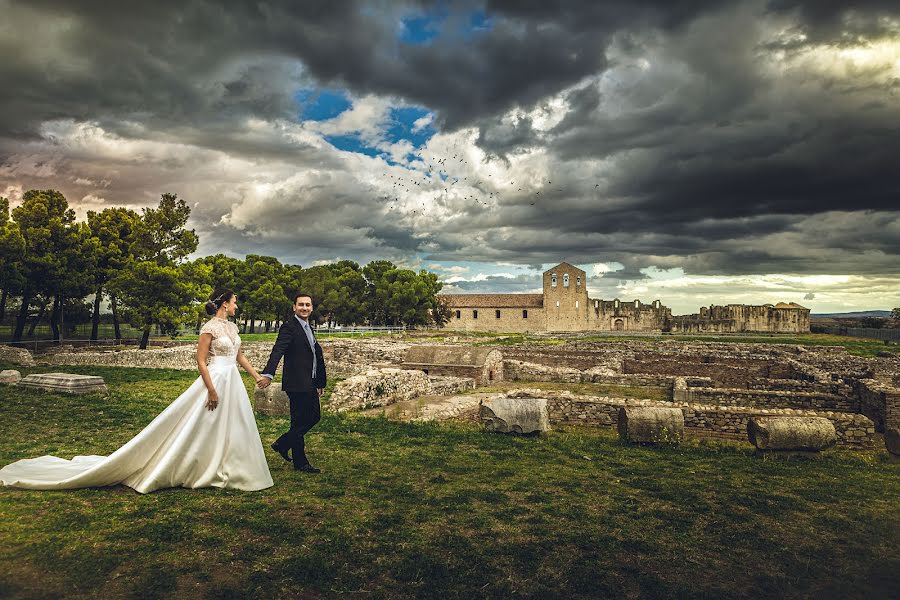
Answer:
(425, 511)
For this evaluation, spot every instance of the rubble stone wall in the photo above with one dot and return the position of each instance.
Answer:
(16, 356)
(853, 430)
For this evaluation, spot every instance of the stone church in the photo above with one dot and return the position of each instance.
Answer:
(564, 305)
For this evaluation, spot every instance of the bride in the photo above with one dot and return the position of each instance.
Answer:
(207, 437)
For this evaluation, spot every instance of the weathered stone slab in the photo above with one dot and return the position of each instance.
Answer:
(892, 440)
(515, 415)
(651, 424)
(10, 376)
(272, 401)
(791, 433)
(64, 382)
(16, 356)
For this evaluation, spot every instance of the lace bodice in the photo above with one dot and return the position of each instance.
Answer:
(226, 341)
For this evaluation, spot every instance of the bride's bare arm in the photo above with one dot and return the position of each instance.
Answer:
(242, 360)
(212, 399)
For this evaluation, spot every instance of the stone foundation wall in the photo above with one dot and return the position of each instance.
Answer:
(880, 402)
(16, 356)
(732, 374)
(378, 387)
(853, 430)
(556, 356)
(449, 386)
(769, 399)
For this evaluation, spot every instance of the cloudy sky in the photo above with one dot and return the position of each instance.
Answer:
(694, 152)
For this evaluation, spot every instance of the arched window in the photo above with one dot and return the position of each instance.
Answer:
(576, 304)
(498, 314)
(565, 280)
(458, 314)
(578, 281)
(557, 304)
(553, 280)
(616, 304)
(474, 314)
(524, 314)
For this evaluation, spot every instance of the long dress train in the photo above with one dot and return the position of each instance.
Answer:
(186, 445)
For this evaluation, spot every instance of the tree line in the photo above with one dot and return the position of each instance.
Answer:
(51, 264)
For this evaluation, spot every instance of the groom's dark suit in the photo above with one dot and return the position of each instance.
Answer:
(298, 382)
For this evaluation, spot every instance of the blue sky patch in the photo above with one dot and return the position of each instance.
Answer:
(421, 28)
(322, 104)
(402, 121)
(353, 143)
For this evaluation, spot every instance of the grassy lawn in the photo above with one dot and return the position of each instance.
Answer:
(425, 510)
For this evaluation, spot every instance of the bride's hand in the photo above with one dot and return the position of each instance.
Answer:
(212, 400)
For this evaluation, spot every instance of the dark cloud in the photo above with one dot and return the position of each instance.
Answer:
(721, 138)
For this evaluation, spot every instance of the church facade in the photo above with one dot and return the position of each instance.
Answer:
(564, 305)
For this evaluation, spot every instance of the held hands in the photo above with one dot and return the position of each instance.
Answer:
(321, 391)
(212, 400)
(263, 382)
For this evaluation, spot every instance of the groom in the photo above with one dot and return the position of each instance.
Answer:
(303, 380)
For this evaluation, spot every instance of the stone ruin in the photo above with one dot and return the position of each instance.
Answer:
(718, 386)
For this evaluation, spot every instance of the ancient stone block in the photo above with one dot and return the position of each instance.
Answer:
(892, 440)
(16, 356)
(64, 382)
(10, 376)
(272, 401)
(791, 433)
(514, 415)
(649, 424)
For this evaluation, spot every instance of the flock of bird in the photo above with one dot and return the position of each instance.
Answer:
(438, 173)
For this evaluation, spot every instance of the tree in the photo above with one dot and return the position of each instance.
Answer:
(164, 295)
(259, 283)
(441, 313)
(223, 271)
(895, 314)
(322, 284)
(374, 273)
(349, 303)
(57, 254)
(156, 288)
(12, 245)
(114, 230)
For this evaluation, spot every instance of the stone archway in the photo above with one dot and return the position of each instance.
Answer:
(619, 325)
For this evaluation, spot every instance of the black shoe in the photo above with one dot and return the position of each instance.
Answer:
(282, 451)
(307, 468)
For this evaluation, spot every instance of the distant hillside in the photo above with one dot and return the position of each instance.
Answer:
(853, 315)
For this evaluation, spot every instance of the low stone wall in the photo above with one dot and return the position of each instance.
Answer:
(852, 430)
(715, 421)
(799, 385)
(378, 387)
(516, 370)
(344, 357)
(768, 399)
(880, 401)
(16, 356)
(449, 386)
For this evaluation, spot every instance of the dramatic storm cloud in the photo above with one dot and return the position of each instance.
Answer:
(691, 151)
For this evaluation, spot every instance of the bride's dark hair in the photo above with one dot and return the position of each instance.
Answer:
(218, 298)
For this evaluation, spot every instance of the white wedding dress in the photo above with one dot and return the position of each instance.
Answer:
(187, 445)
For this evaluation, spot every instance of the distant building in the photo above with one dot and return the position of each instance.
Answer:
(784, 317)
(564, 305)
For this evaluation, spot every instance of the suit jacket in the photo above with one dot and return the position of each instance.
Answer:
(293, 345)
